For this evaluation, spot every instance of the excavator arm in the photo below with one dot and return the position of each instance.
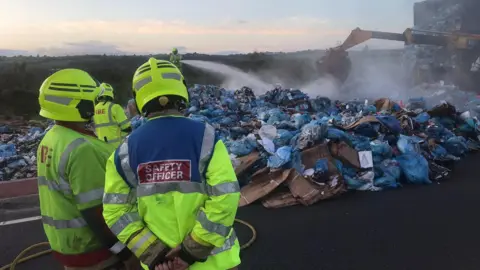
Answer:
(409, 36)
(336, 61)
(358, 36)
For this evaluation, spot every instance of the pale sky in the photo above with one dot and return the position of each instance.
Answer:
(210, 26)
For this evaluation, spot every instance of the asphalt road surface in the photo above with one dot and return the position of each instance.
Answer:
(421, 227)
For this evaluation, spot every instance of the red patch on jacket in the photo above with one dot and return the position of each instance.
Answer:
(164, 171)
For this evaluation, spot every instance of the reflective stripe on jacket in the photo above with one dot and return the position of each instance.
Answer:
(172, 178)
(71, 170)
(110, 120)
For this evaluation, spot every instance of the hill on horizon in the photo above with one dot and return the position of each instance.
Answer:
(23, 53)
(21, 76)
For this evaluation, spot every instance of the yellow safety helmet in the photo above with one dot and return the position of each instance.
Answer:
(174, 50)
(157, 78)
(68, 95)
(106, 90)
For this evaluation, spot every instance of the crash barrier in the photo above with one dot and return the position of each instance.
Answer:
(18, 188)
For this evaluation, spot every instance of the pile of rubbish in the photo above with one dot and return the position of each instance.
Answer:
(18, 149)
(288, 148)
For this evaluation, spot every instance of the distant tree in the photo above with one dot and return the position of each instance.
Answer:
(25, 75)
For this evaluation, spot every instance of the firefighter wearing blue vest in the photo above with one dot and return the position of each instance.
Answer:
(171, 194)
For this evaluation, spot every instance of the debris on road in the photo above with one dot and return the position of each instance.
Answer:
(18, 149)
(288, 148)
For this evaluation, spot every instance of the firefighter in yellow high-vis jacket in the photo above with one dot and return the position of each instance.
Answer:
(71, 177)
(171, 194)
(111, 122)
(176, 58)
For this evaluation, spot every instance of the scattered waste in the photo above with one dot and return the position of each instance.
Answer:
(18, 149)
(291, 149)
(288, 148)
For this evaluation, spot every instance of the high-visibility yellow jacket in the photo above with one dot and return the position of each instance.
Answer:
(172, 178)
(71, 175)
(176, 59)
(110, 119)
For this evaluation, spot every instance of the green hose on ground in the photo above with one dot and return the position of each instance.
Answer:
(20, 259)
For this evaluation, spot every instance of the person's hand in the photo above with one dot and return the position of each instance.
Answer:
(173, 253)
(179, 264)
(132, 263)
(168, 265)
(172, 256)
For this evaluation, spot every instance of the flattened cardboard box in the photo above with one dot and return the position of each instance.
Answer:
(365, 119)
(307, 192)
(262, 184)
(279, 200)
(384, 104)
(246, 162)
(345, 153)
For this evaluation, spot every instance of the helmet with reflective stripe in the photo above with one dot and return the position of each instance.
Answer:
(157, 78)
(106, 90)
(68, 95)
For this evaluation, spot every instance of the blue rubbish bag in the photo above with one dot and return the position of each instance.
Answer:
(217, 112)
(439, 152)
(391, 172)
(309, 136)
(200, 118)
(238, 132)
(367, 130)
(390, 122)
(283, 137)
(7, 150)
(406, 144)
(320, 104)
(34, 130)
(5, 129)
(241, 147)
(282, 156)
(380, 150)
(227, 121)
(369, 110)
(223, 134)
(456, 146)
(296, 162)
(360, 143)
(422, 118)
(299, 120)
(414, 167)
(137, 121)
(321, 165)
(353, 182)
(337, 134)
(276, 115)
(350, 177)
(438, 132)
(19, 163)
